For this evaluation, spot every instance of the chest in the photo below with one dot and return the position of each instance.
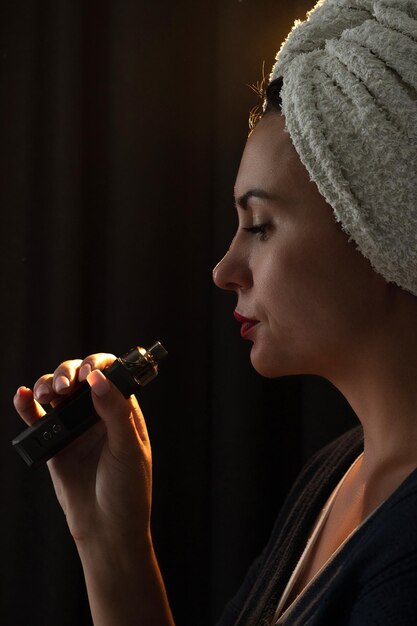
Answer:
(340, 524)
(354, 500)
(343, 513)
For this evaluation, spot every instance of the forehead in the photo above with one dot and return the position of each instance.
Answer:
(269, 160)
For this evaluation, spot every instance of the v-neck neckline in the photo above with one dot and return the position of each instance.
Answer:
(277, 621)
(309, 546)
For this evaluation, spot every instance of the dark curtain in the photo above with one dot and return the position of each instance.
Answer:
(122, 126)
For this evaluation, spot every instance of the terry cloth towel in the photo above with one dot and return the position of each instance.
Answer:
(349, 97)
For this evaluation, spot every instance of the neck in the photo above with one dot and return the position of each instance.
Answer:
(380, 383)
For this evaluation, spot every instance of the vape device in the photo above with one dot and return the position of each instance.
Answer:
(76, 413)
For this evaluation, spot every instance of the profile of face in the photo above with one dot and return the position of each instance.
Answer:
(316, 299)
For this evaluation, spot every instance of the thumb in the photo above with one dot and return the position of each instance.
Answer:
(115, 411)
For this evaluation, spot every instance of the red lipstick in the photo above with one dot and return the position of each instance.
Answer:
(247, 324)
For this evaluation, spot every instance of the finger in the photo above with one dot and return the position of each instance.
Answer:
(43, 390)
(139, 420)
(50, 388)
(65, 376)
(28, 408)
(136, 413)
(94, 362)
(116, 412)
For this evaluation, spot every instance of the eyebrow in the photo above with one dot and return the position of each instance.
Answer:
(243, 201)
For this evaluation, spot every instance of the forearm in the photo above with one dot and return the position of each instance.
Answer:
(124, 584)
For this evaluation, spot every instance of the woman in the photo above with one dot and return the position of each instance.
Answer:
(324, 266)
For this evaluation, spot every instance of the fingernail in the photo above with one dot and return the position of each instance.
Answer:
(98, 383)
(42, 390)
(19, 391)
(84, 371)
(61, 383)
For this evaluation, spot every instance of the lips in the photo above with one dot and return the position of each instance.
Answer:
(247, 324)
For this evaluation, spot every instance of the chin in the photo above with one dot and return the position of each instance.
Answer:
(268, 368)
(273, 365)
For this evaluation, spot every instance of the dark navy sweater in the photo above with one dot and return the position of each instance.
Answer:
(372, 580)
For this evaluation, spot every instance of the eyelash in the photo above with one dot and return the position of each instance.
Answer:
(258, 228)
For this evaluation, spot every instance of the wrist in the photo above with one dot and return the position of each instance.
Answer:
(105, 553)
(124, 583)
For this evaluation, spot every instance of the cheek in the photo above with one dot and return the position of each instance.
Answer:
(304, 296)
(307, 290)
(293, 276)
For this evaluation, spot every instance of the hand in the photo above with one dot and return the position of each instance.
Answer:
(103, 480)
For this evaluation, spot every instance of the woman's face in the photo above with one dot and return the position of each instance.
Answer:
(314, 296)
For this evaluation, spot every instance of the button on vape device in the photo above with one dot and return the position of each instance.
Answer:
(76, 413)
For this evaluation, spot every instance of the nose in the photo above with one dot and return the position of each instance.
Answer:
(232, 272)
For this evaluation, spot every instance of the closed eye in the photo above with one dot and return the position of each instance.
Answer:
(262, 229)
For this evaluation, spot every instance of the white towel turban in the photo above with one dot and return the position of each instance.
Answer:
(349, 97)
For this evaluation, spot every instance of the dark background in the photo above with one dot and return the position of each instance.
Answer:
(122, 126)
